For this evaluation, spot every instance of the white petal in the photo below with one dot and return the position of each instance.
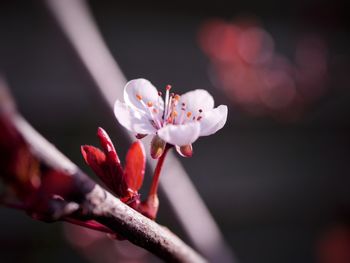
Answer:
(180, 134)
(197, 99)
(213, 120)
(133, 119)
(143, 88)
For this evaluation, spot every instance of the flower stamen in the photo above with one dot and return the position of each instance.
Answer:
(152, 111)
(167, 88)
(182, 114)
(199, 115)
(174, 114)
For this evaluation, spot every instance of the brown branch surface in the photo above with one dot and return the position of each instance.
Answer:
(91, 201)
(140, 230)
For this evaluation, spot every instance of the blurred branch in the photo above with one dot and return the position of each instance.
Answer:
(69, 193)
(77, 23)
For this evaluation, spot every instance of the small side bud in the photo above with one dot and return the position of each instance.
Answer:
(185, 150)
(157, 147)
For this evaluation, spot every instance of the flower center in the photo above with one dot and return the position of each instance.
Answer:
(161, 116)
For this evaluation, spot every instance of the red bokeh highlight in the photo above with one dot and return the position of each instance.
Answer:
(334, 245)
(258, 79)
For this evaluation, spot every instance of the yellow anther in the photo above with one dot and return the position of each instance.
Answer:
(189, 114)
(150, 104)
(177, 97)
(138, 96)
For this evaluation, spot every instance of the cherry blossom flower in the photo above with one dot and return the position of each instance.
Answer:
(178, 121)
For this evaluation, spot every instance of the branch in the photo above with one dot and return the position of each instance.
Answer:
(80, 197)
(140, 230)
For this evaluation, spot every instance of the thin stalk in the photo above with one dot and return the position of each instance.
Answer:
(150, 206)
(155, 180)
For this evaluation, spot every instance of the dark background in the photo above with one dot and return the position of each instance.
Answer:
(275, 188)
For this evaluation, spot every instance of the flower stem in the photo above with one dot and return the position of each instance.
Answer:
(150, 206)
(156, 175)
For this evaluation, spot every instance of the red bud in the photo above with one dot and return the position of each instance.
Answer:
(157, 147)
(185, 150)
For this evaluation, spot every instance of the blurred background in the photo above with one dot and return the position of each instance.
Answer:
(276, 178)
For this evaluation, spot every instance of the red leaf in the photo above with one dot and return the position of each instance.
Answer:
(118, 185)
(135, 166)
(57, 183)
(108, 146)
(109, 171)
(54, 184)
(18, 167)
(95, 158)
